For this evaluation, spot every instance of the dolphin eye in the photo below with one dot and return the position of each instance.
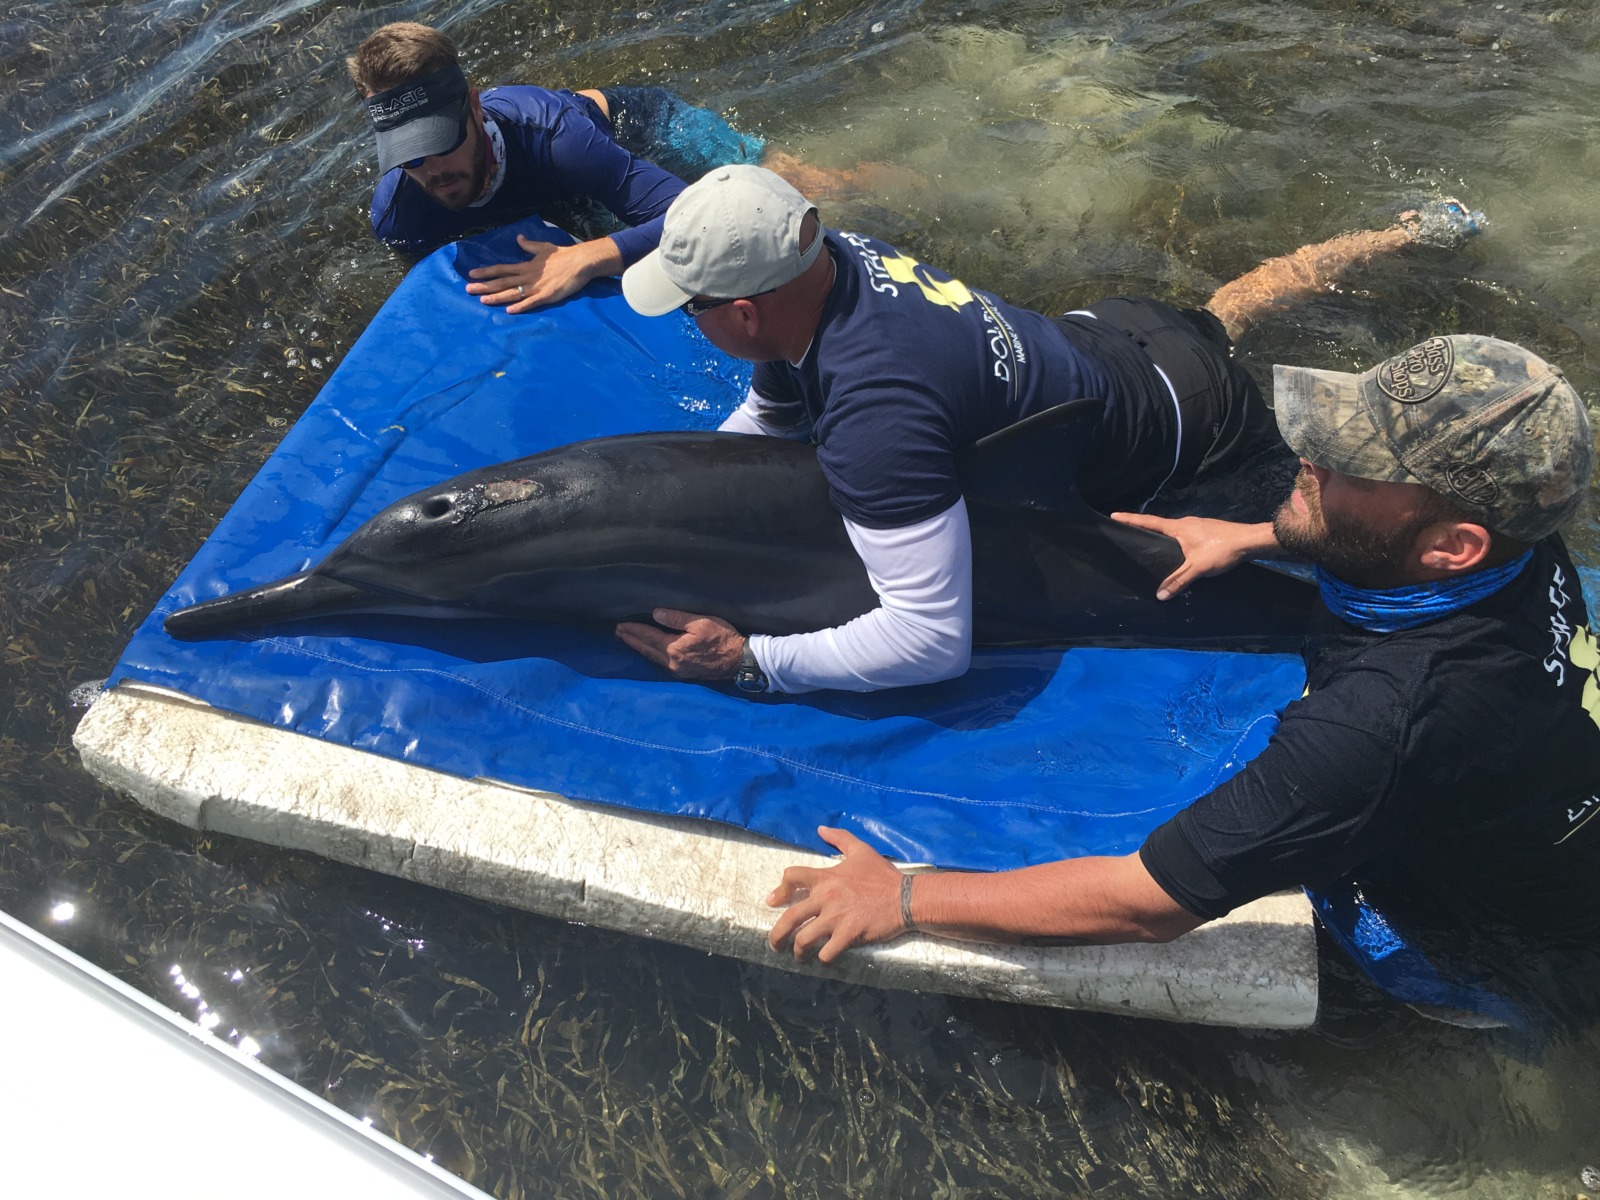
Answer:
(438, 506)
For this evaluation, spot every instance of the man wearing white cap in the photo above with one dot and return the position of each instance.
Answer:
(1443, 768)
(893, 367)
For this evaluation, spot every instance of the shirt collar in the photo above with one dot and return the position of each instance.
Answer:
(497, 148)
(831, 281)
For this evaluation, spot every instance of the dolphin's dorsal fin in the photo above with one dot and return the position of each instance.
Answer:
(1034, 463)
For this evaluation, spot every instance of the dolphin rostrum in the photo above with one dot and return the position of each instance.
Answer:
(741, 527)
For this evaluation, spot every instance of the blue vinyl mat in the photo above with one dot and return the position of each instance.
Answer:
(1034, 755)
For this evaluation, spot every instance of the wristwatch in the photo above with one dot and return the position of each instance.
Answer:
(749, 678)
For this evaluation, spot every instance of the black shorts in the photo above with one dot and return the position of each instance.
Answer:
(1222, 425)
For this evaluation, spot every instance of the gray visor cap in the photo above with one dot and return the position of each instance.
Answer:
(422, 117)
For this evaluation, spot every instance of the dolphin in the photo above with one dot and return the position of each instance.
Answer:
(742, 527)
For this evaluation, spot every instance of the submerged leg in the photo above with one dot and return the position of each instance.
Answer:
(836, 183)
(688, 140)
(1282, 282)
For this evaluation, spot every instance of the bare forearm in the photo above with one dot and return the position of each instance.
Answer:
(862, 900)
(1256, 541)
(1095, 900)
(1286, 280)
(601, 257)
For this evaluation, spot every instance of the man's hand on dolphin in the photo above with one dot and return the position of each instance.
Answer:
(1209, 546)
(830, 909)
(549, 273)
(702, 648)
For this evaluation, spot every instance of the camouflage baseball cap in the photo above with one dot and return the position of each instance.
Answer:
(1484, 423)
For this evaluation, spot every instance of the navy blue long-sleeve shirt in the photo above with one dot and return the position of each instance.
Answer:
(558, 147)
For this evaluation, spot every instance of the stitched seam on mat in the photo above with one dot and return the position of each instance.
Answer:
(801, 767)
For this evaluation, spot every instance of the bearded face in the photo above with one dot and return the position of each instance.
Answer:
(456, 179)
(1367, 540)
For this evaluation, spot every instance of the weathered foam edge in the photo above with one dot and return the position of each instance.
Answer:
(692, 882)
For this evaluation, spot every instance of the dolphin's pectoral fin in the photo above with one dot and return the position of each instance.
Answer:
(1034, 463)
(1033, 527)
(307, 594)
(1156, 554)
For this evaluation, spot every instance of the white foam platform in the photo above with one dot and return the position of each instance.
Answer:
(696, 883)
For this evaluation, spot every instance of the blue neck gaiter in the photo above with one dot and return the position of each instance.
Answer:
(1389, 610)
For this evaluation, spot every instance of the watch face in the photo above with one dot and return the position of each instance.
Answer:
(749, 677)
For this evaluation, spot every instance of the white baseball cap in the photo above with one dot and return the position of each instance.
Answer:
(735, 233)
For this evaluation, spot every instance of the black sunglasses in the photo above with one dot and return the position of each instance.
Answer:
(411, 164)
(695, 307)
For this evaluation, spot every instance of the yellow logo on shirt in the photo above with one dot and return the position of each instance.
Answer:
(1572, 645)
(951, 293)
(1584, 652)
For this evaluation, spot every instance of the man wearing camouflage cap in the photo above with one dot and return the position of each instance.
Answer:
(1444, 764)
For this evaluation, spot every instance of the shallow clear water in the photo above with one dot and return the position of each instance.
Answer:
(186, 257)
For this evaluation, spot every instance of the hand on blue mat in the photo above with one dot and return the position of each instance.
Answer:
(700, 648)
(549, 273)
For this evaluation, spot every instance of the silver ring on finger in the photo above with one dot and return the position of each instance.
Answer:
(521, 291)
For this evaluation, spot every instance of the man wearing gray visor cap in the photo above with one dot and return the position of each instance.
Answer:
(455, 161)
(1439, 782)
(421, 119)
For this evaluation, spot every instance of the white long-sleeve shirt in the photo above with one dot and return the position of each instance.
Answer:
(921, 631)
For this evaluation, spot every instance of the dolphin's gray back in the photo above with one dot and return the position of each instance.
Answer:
(598, 531)
(742, 527)
(722, 523)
